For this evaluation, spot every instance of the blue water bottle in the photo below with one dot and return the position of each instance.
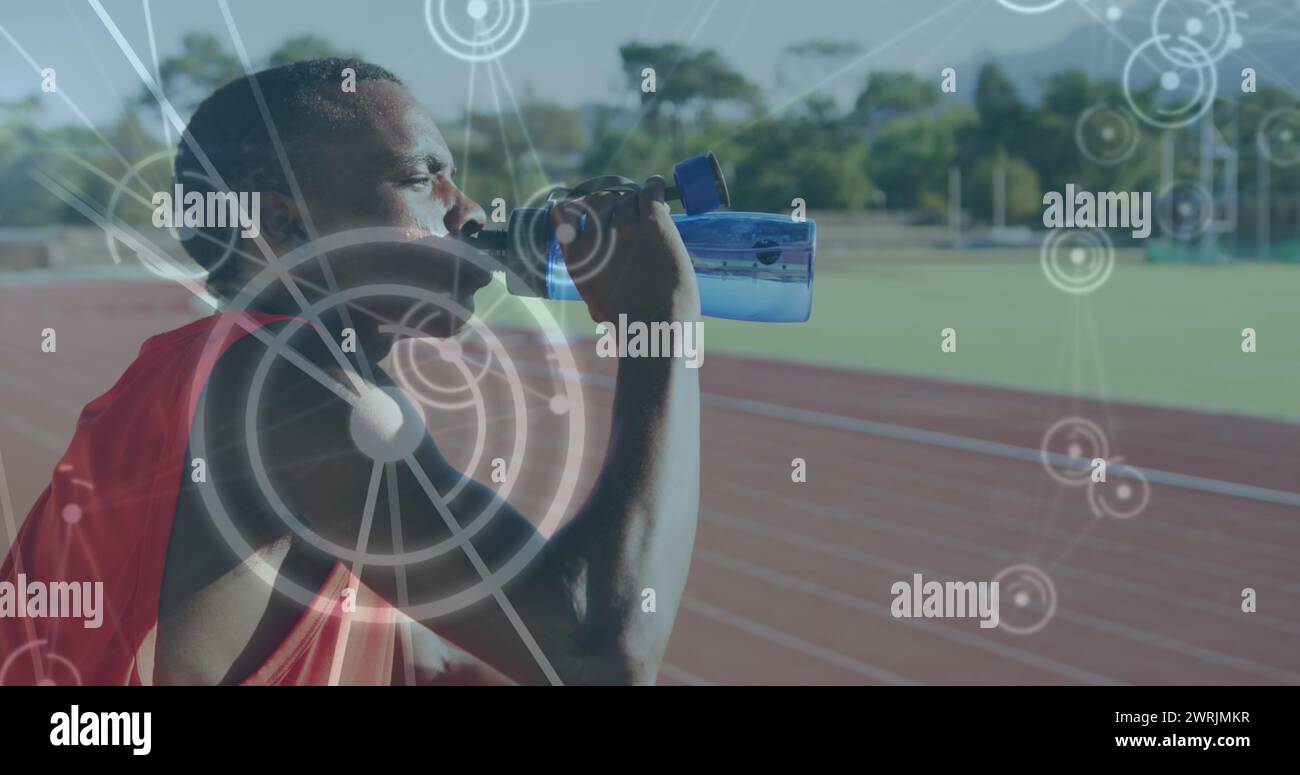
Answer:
(750, 266)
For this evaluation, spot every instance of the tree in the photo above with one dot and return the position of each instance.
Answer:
(203, 65)
(305, 47)
(783, 159)
(1024, 196)
(999, 106)
(890, 95)
(686, 80)
(910, 157)
(804, 66)
(188, 77)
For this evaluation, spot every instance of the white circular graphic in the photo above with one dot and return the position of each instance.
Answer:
(1185, 209)
(1077, 261)
(392, 445)
(600, 236)
(412, 357)
(1021, 6)
(1119, 497)
(55, 670)
(1185, 77)
(1278, 137)
(1026, 599)
(1068, 448)
(156, 258)
(1211, 25)
(476, 30)
(1106, 135)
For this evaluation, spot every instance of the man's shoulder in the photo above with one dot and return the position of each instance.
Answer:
(290, 394)
(275, 352)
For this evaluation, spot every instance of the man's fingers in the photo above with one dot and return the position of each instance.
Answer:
(654, 189)
(565, 213)
(652, 196)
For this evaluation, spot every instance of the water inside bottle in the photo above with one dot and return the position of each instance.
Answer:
(750, 266)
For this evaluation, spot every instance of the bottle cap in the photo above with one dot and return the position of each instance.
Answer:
(701, 185)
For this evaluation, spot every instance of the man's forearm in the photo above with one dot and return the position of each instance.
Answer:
(637, 530)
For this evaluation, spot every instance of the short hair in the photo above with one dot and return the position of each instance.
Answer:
(304, 100)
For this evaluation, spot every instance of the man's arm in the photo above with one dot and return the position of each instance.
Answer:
(579, 599)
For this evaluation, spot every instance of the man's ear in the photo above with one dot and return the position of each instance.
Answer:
(282, 224)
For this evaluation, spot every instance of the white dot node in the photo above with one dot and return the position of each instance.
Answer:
(386, 425)
(72, 513)
(451, 351)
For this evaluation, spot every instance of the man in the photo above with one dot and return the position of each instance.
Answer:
(183, 608)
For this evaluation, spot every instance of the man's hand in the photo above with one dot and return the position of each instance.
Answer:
(632, 260)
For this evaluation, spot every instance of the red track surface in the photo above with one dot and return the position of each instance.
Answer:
(791, 582)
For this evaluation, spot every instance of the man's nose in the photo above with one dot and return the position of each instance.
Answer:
(465, 217)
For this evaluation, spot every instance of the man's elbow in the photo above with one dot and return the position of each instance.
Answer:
(616, 665)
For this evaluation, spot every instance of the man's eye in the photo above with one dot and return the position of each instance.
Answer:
(419, 180)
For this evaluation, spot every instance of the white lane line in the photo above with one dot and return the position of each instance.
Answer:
(862, 605)
(685, 676)
(794, 644)
(1115, 628)
(996, 449)
(978, 446)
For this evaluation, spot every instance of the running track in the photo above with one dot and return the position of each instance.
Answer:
(790, 582)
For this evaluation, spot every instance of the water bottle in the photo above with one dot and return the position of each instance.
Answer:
(750, 266)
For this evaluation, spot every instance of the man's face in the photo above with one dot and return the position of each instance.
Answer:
(390, 166)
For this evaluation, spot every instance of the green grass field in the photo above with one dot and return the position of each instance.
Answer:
(1160, 334)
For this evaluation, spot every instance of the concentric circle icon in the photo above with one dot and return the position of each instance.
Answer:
(476, 30)
(1030, 6)
(1209, 24)
(1184, 76)
(602, 237)
(1106, 135)
(1119, 497)
(1185, 209)
(570, 433)
(1278, 137)
(599, 237)
(1026, 599)
(1077, 261)
(1068, 448)
(417, 360)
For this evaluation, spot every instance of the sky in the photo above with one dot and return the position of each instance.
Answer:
(567, 52)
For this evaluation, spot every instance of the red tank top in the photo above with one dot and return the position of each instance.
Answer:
(106, 516)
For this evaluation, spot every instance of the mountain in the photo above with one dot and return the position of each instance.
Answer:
(1102, 47)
